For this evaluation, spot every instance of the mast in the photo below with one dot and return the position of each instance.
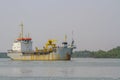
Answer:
(65, 42)
(72, 39)
(21, 25)
(65, 38)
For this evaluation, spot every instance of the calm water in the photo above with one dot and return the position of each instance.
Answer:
(76, 69)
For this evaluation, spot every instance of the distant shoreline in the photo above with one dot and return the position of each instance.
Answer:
(113, 53)
(3, 55)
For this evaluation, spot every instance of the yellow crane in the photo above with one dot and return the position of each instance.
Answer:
(49, 46)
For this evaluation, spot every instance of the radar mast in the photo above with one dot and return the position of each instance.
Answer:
(21, 25)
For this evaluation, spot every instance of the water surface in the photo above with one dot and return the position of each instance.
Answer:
(76, 69)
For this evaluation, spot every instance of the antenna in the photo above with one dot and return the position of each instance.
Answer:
(72, 35)
(72, 39)
(28, 35)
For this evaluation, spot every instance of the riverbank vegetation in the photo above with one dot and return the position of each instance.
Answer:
(3, 55)
(113, 53)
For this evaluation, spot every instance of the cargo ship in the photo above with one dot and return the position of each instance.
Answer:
(22, 50)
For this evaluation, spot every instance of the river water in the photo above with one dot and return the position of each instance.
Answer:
(76, 69)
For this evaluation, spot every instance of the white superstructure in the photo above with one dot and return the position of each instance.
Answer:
(22, 45)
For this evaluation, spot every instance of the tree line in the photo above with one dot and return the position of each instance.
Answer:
(113, 53)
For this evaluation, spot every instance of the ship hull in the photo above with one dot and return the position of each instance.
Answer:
(60, 54)
(43, 57)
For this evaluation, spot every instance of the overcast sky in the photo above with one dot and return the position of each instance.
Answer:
(96, 23)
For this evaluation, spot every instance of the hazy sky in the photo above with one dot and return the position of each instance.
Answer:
(96, 23)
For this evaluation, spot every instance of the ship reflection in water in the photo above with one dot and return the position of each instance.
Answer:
(76, 69)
